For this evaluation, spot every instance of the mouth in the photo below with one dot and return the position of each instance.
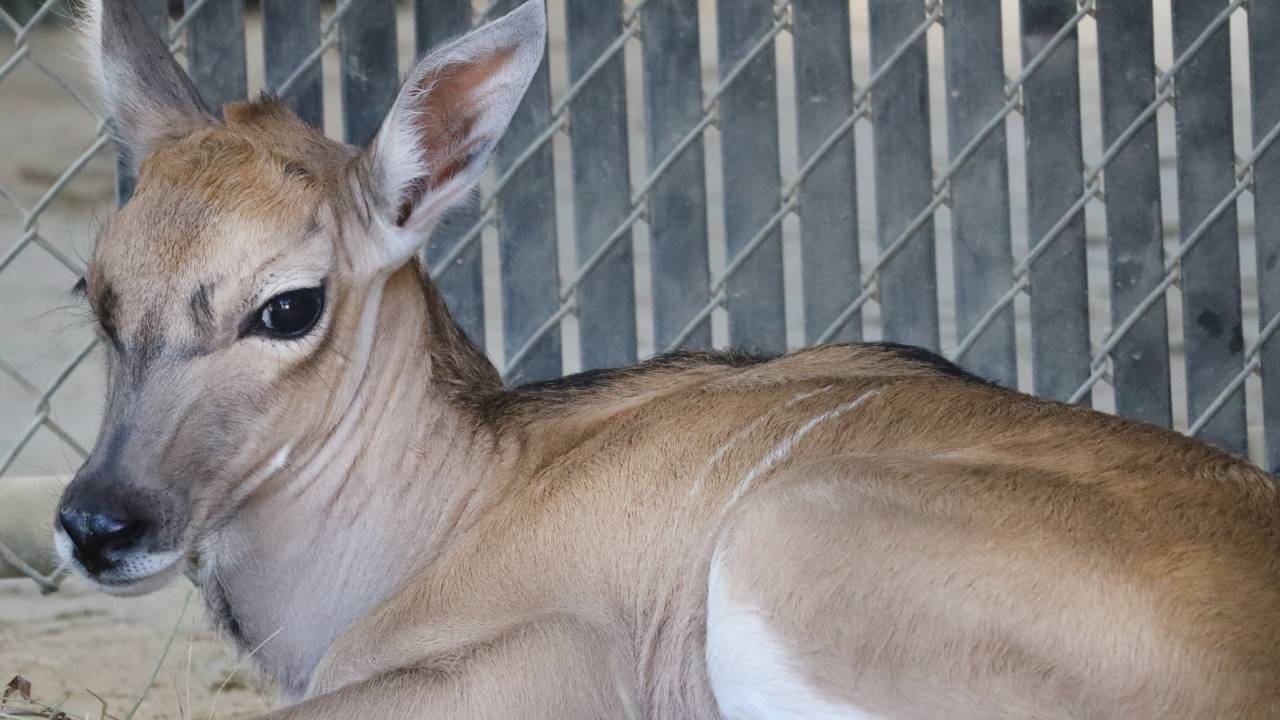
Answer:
(139, 573)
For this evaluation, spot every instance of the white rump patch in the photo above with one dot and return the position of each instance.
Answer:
(752, 675)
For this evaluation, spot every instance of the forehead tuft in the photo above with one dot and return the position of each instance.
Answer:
(221, 201)
(261, 156)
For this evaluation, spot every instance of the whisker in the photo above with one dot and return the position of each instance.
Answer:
(213, 708)
(160, 662)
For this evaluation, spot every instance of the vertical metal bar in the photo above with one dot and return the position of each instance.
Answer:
(1140, 362)
(1055, 180)
(1210, 270)
(215, 52)
(157, 14)
(436, 22)
(370, 77)
(602, 185)
(980, 232)
(527, 233)
(1264, 28)
(749, 134)
(904, 174)
(290, 32)
(828, 198)
(462, 282)
(678, 199)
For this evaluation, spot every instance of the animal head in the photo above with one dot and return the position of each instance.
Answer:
(237, 281)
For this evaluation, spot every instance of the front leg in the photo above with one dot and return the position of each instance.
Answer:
(540, 673)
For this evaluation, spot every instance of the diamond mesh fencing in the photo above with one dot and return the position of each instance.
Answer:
(1077, 198)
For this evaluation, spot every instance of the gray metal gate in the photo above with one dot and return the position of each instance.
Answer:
(1080, 198)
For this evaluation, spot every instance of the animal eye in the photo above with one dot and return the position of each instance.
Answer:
(290, 314)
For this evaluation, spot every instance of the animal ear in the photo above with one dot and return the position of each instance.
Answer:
(451, 112)
(148, 96)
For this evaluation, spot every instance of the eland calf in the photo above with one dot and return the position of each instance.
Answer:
(860, 531)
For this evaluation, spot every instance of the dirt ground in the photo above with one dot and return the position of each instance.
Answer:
(77, 641)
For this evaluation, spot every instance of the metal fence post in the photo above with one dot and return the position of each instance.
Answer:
(980, 233)
(1210, 269)
(216, 58)
(1055, 179)
(904, 174)
(601, 185)
(749, 134)
(370, 75)
(1135, 232)
(1264, 28)
(828, 196)
(677, 199)
(290, 31)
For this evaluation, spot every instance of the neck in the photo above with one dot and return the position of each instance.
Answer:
(404, 469)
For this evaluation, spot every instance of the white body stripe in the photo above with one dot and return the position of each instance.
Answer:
(746, 430)
(752, 675)
(784, 448)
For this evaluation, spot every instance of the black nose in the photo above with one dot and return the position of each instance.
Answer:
(100, 540)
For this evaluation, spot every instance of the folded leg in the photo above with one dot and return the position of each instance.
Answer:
(541, 673)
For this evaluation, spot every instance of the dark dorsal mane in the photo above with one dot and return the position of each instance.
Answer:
(536, 399)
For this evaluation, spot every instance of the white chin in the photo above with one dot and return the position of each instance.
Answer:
(133, 586)
(139, 574)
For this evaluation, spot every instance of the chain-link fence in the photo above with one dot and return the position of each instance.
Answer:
(1080, 198)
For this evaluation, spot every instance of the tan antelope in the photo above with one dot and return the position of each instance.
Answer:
(856, 531)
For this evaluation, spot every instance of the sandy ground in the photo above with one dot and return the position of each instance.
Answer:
(75, 640)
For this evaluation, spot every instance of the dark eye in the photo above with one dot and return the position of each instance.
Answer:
(290, 314)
